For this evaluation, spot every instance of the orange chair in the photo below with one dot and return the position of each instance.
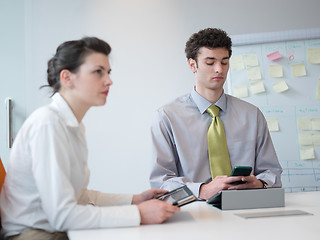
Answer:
(2, 174)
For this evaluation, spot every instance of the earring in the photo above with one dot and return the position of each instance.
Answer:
(70, 84)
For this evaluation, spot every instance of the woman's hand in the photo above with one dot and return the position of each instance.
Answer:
(156, 211)
(148, 195)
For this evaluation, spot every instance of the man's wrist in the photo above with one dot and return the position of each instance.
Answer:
(202, 191)
(264, 184)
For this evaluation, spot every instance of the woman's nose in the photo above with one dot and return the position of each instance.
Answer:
(108, 81)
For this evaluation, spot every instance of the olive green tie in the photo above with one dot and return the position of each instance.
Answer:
(217, 145)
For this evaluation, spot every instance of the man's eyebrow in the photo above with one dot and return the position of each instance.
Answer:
(213, 58)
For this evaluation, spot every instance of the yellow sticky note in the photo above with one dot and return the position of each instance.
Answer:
(254, 73)
(275, 71)
(307, 152)
(305, 138)
(273, 124)
(251, 60)
(236, 62)
(240, 91)
(304, 124)
(280, 86)
(314, 55)
(257, 87)
(316, 139)
(318, 89)
(315, 124)
(298, 70)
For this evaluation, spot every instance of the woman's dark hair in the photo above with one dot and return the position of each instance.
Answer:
(70, 55)
(210, 38)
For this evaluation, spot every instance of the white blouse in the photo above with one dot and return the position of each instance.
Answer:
(47, 179)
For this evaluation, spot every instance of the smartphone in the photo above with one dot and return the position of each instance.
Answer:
(241, 171)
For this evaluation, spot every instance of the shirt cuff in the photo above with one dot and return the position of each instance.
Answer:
(195, 188)
(120, 216)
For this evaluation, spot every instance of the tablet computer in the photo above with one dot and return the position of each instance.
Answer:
(215, 200)
(179, 197)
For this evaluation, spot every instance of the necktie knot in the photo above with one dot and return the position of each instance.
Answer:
(213, 110)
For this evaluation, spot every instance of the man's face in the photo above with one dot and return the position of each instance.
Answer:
(211, 69)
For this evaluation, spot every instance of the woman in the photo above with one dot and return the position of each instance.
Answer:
(45, 192)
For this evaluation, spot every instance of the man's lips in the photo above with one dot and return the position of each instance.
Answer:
(217, 78)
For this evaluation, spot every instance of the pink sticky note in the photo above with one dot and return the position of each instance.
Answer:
(274, 56)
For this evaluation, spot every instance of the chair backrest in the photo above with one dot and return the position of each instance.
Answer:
(2, 174)
(2, 177)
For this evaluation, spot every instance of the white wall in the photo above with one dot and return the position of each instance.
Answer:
(12, 69)
(148, 64)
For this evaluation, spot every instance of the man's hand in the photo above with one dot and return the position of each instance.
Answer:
(217, 184)
(251, 182)
(156, 211)
(224, 182)
(147, 195)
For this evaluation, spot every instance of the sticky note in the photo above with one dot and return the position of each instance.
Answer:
(314, 55)
(254, 73)
(236, 62)
(251, 60)
(298, 70)
(305, 138)
(280, 86)
(274, 56)
(240, 91)
(275, 71)
(318, 89)
(315, 124)
(273, 124)
(307, 152)
(257, 87)
(316, 139)
(304, 124)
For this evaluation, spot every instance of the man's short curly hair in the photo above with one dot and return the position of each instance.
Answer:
(210, 38)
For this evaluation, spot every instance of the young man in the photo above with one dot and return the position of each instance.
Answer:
(179, 131)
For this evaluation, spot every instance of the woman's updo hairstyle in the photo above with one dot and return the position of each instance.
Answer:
(70, 55)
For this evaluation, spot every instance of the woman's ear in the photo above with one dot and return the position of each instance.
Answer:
(193, 65)
(66, 78)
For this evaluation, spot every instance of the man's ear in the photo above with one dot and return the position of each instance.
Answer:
(66, 78)
(193, 64)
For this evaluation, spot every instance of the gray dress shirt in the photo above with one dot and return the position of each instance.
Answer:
(180, 150)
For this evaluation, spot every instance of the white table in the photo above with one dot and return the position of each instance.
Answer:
(201, 221)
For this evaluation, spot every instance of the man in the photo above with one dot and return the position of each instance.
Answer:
(180, 129)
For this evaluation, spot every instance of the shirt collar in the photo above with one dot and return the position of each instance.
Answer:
(65, 112)
(203, 103)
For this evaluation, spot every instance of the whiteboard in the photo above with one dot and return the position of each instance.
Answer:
(289, 109)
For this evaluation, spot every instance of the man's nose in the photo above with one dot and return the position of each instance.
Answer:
(218, 67)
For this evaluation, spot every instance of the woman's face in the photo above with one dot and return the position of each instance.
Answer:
(92, 81)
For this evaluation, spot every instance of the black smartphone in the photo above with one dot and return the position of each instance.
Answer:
(241, 171)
